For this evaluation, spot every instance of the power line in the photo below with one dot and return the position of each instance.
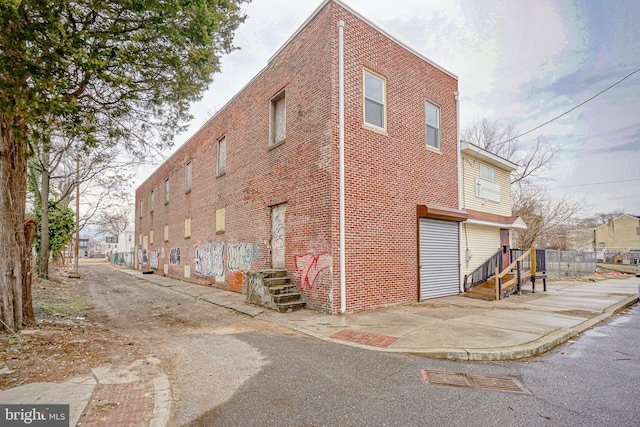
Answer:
(596, 183)
(579, 105)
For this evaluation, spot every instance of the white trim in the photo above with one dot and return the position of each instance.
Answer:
(343, 257)
(484, 155)
(517, 224)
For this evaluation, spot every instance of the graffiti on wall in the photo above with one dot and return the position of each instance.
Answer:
(153, 259)
(174, 256)
(142, 256)
(240, 256)
(309, 267)
(208, 260)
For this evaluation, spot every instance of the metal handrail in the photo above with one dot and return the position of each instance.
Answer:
(484, 271)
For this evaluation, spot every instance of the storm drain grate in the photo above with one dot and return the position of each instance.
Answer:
(479, 382)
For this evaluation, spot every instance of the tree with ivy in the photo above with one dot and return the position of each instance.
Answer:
(101, 72)
(61, 228)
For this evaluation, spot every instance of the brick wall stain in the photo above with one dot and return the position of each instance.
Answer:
(386, 175)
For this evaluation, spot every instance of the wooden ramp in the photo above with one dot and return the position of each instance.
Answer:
(485, 291)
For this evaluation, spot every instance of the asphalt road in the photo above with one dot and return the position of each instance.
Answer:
(228, 369)
(590, 381)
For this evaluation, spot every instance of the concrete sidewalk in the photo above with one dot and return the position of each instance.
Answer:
(456, 327)
(138, 394)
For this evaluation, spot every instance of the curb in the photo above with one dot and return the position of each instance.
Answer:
(162, 402)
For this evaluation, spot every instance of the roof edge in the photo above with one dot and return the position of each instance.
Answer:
(368, 22)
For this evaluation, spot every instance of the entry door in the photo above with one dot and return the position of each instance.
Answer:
(439, 258)
(277, 235)
(504, 241)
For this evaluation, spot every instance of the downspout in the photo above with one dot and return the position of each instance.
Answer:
(343, 273)
(456, 96)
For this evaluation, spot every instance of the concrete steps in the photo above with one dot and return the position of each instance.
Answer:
(272, 288)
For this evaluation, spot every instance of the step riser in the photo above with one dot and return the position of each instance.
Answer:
(282, 295)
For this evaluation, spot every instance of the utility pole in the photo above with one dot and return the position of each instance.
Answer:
(76, 274)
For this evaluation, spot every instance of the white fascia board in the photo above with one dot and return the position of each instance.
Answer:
(518, 224)
(474, 151)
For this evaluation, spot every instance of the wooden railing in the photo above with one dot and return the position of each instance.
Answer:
(520, 273)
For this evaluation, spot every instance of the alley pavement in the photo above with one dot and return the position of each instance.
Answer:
(455, 327)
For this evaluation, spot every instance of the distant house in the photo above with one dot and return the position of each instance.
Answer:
(621, 234)
(486, 198)
(337, 165)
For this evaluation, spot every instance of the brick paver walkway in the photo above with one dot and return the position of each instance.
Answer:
(119, 405)
(367, 338)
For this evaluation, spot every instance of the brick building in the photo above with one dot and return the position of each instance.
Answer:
(261, 185)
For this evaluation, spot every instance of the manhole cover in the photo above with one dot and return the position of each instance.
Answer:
(479, 382)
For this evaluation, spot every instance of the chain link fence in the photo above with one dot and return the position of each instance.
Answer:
(570, 264)
(124, 259)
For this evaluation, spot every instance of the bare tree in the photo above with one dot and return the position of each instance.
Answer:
(533, 159)
(598, 219)
(546, 217)
(102, 179)
(115, 220)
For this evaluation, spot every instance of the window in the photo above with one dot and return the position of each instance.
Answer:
(140, 208)
(278, 119)
(151, 202)
(166, 233)
(487, 173)
(222, 155)
(187, 177)
(151, 237)
(374, 100)
(166, 191)
(432, 113)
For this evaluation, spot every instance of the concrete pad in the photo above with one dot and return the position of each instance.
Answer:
(494, 321)
(459, 335)
(115, 375)
(75, 395)
(550, 319)
(597, 305)
(194, 290)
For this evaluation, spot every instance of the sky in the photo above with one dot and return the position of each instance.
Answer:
(521, 62)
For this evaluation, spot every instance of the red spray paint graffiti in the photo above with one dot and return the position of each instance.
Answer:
(309, 267)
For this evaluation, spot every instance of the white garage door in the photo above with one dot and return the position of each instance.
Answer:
(439, 263)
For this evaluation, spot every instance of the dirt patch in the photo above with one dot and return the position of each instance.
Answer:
(65, 342)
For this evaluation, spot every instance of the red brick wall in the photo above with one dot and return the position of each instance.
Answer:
(386, 175)
(297, 173)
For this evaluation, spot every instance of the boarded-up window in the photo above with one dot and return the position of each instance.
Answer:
(222, 155)
(220, 219)
(187, 177)
(187, 228)
(166, 191)
(166, 233)
(151, 202)
(151, 237)
(278, 119)
(140, 208)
